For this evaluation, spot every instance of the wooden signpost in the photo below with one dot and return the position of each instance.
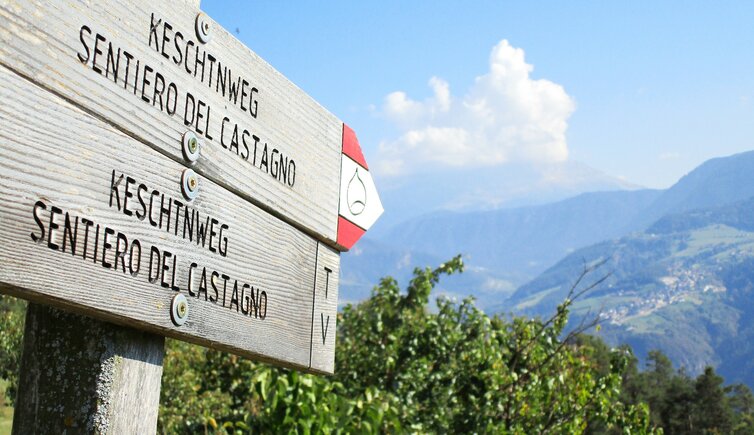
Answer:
(158, 175)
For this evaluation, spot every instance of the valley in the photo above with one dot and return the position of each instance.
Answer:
(680, 263)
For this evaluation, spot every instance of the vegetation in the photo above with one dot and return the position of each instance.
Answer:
(403, 367)
(683, 405)
(12, 312)
(685, 285)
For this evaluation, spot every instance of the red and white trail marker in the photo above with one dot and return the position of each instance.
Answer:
(360, 204)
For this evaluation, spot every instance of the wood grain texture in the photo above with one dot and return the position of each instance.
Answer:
(135, 390)
(325, 310)
(51, 151)
(41, 40)
(81, 375)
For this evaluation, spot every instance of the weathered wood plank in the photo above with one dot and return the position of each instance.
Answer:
(73, 49)
(325, 309)
(59, 161)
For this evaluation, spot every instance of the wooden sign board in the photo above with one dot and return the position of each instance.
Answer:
(139, 65)
(93, 218)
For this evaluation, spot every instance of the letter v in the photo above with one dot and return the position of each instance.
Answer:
(324, 326)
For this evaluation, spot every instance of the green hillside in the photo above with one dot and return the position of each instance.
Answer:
(715, 183)
(685, 285)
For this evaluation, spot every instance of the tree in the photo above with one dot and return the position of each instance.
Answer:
(741, 404)
(711, 414)
(401, 367)
(677, 405)
(681, 405)
(12, 312)
(658, 381)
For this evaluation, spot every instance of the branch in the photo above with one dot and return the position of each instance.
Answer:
(573, 294)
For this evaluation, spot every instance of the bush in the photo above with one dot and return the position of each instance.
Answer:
(12, 315)
(403, 368)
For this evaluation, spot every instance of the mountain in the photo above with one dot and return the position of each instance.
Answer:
(682, 260)
(370, 260)
(487, 188)
(502, 248)
(716, 182)
(685, 285)
(681, 277)
(527, 239)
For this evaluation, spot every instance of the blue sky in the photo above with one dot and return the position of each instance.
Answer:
(644, 91)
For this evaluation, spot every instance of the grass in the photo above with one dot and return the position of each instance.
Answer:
(6, 420)
(535, 298)
(6, 412)
(715, 236)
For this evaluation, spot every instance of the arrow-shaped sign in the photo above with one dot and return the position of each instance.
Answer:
(360, 204)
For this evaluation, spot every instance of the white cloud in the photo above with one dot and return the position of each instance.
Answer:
(506, 116)
(669, 156)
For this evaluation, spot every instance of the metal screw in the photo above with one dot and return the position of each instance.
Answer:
(189, 184)
(202, 28)
(179, 309)
(191, 146)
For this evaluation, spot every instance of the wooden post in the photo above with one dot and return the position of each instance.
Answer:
(81, 375)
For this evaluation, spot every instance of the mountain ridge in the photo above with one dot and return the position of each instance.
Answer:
(685, 286)
(679, 257)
